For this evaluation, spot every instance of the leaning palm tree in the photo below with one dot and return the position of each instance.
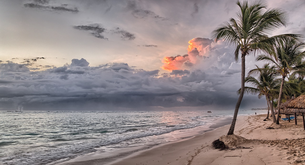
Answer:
(249, 33)
(287, 58)
(264, 85)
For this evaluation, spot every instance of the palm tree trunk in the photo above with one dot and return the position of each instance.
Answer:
(268, 107)
(270, 103)
(280, 100)
(241, 95)
(274, 120)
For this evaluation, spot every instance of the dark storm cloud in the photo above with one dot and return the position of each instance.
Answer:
(43, 4)
(41, 1)
(149, 73)
(64, 77)
(6, 92)
(146, 13)
(60, 69)
(110, 84)
(196, 9)
(95, 29)
(64, 8)
(116, 66)
(5, 82)
(82, 62)
(138, 12)
(125, 35)
(231, 72)
(180, 72)
(31, 61)
(79, 86)
(196, 76)
(131, 5)
(98, 31)
(66, 70)
(13, 67)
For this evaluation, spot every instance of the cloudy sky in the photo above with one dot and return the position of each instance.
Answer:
(116, 54)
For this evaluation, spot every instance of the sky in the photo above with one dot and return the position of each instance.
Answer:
(124, 54)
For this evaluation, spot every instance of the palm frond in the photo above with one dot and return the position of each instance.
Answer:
(227, 33)
(267, 58)
(250, 90)
(237, 52)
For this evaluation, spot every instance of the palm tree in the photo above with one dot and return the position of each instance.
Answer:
(287, 59)
(292, 88)
(266, 85)
(301, 83)
(298, 78)
(249, 33)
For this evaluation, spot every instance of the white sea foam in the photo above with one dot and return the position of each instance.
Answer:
(45, 137)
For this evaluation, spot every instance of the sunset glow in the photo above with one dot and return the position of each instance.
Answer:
(198, 47)
(174, 63)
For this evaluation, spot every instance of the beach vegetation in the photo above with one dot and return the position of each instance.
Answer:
(249, 33)
(265, 85)
(287, 59)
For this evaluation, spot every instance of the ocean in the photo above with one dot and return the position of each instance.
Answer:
(49, 137)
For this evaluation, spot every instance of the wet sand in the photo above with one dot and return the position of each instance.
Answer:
(253, 145)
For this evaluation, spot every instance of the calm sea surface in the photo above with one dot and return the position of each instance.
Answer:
(32, 137)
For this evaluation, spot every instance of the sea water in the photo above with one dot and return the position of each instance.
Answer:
(41, 137)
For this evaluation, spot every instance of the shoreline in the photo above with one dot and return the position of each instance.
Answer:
(213, 127)
(208, 136)
(257, 145)
(100, 158)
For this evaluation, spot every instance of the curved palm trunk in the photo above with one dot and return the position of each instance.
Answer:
(270, 103)
(280, 100)
(241, 95)
(267, 117)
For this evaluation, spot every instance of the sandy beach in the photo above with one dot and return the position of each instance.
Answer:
(253, 145)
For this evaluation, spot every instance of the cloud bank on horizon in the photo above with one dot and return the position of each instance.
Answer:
(130, 45)
(209, 83)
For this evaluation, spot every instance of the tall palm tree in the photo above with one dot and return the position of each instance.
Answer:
(249, 33)
(287, 58)
(265, 84)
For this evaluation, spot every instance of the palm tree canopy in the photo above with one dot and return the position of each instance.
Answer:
(293, 87)
(265, 84)
(286, 57)
(249, 31)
